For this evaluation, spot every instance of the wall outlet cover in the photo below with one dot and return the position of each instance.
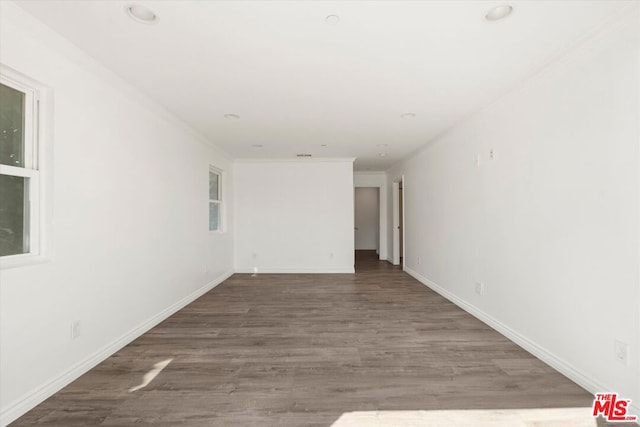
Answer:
(479, 288)
(621, 351)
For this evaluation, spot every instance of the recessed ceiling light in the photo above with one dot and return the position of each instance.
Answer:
(407, 115)
(332, 19)
(323, 145)
(382, 154)
(498, 12)
(141, 14)
(257, 145)
(231, 116)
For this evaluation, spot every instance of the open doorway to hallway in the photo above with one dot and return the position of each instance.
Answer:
(398, 203)
(378, 182)
(367, 219)
(401, 222)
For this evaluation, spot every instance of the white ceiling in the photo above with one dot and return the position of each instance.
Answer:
(298, 83)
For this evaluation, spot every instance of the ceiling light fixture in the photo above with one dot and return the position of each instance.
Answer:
(257, 145)
(332, 19)
(141, 14)
(231, 116)
(407, 115)
(498, 12)
(382, 154)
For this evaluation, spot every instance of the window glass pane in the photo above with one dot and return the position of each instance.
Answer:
(213, 186)
(214, 216)
(11, 126)
(13, 214)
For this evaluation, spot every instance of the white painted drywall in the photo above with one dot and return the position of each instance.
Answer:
(131, 242)
(294, 216)
(378, 180)
(550, 224)
(367, 218)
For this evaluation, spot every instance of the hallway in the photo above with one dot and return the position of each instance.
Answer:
(296, 350)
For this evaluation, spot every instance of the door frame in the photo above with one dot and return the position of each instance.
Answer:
(377, 180)
(395, 196)
(379, 210)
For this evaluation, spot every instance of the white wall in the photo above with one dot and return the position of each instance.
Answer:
(378, 180)
(294, 216)
(130, 235)
(367, 214)
(550, 225)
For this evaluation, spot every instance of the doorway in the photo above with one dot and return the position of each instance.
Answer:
(398, 204)
(367, 219)
(401, 221)
(375, 181)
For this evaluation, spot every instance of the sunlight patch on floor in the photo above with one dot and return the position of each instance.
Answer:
(149, 376)
(552, 417)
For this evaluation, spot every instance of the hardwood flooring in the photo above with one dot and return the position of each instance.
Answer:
(302, 350)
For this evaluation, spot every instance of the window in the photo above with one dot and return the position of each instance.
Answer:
(215, 199)
(19, 169)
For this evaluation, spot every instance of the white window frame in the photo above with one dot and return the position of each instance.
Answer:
(35, 129)
(219, 201)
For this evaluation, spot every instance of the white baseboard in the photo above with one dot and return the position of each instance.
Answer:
(21, 406)
(338, 270)
(560, 365)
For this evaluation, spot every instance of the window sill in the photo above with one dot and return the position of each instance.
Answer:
(22, 260)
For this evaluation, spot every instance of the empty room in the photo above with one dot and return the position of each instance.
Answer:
(319, 213)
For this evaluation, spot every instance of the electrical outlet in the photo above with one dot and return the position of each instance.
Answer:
(479, 288)
(491, 154)
(621, 351)
(75, 329)
(419, 260)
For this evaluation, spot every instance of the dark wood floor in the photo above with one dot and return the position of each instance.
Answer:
(298, 350)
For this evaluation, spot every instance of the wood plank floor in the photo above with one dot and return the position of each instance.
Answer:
(301, 350)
